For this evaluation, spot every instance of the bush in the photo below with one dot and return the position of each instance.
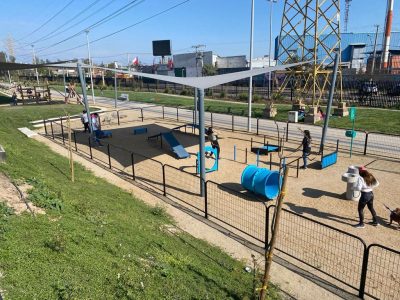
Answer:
(256, 98)
(244, 96)
(167, 90)
(41, 195)
(222, 94)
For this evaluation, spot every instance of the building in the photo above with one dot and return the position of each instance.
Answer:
(355, 47)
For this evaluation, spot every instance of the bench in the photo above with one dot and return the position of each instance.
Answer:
(139, 130)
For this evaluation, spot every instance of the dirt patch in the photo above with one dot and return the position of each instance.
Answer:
(10, 195)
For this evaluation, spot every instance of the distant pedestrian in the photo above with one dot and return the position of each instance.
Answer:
(14, 99)
(365, 184)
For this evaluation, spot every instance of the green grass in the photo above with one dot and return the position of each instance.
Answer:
(369, 119)
(96, 241)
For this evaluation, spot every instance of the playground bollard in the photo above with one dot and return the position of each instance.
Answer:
(298, 165)
(366, 143)
(45, 127)
(205, 201)
(133, 166)
(163, 179)
(246, 157)
(234, 152)
(90, 148)
(118, 117)
(177, 114)
(141, 114)
(233, 122)
(163, 112)
(109, 157)
(251, 143)
(76, 147)
(264, 140)
(258, 120)
(287, 131)
(52, 131)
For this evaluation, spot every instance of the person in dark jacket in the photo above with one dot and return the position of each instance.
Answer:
(306, 144)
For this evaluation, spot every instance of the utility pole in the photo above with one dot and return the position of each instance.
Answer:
(91, 67)
(199, 61)
(270, 46)
(374, 53)
(250, 67)
(35, 63)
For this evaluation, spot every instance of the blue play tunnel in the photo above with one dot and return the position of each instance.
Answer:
(261, 181)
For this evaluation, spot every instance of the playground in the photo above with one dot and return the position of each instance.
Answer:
(315, 193)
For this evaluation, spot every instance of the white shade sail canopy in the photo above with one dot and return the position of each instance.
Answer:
(199, 82)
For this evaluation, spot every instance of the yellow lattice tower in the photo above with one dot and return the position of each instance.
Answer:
(310, 31)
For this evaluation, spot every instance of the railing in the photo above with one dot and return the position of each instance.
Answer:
(372, 271)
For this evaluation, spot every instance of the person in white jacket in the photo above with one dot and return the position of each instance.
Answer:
(366, 183)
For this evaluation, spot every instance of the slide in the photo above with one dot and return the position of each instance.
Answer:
(176, 147)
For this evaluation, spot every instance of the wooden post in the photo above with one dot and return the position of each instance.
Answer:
(269, 252)
(71, 160)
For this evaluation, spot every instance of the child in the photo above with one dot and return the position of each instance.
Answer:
(306, 144)
(85, 121)
(366, 183)
(14, 99)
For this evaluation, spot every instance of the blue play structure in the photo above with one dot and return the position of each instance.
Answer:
(261, 181)
(214, 152)
(331, 158)
(176, 147)
(139, 130)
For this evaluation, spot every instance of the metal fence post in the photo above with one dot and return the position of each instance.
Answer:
(109, 157)
(258, 120)
(52, 131)
(246, 157)
(205, 200)
(45, 127)
(76, 147)
(163, 112)
(141, 114)
(366, 142)
(270, 161)
(233, 122)
(177, 114)
(62, 131)
(211, 119)
(234, 152)
(364, 268)
(266, 226)
(118, 117)
(287, 131)
(298, 165)
(90, 148)
(163, 177)
(133, 166)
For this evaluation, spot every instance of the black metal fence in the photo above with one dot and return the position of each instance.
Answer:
(370, 271)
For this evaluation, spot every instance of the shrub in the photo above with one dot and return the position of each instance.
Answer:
(244, 96)
(222, 94)
(256, 97)
(42, 196)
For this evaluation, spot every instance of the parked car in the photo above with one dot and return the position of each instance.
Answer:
(395, 90)
(368, 88)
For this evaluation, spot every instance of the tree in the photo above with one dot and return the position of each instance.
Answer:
(209, 70)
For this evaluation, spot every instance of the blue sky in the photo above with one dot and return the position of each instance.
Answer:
(222, 25)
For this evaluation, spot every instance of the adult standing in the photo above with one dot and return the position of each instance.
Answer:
(365, 184)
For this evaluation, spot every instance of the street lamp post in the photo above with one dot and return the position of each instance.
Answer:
(35, 62)
(91, 68)
(250, 67)
(270, 46)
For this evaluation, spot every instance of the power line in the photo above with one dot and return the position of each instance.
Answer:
(109, 17)
(118, 31)
(45, 23)
(45, 37)
(79, 22)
